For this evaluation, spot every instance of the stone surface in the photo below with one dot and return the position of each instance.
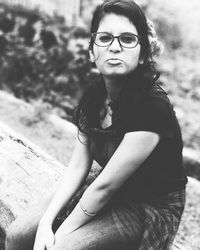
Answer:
(27, 175)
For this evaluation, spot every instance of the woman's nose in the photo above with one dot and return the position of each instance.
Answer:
(115, 45)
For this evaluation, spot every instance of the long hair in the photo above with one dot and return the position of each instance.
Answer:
(139, 82)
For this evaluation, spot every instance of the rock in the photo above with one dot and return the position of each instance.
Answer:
(191, 160)
(27, 175)
(188, 234)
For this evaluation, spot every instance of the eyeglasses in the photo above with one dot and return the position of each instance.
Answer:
(126, 40)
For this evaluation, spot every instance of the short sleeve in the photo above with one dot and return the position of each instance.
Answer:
(154, 115)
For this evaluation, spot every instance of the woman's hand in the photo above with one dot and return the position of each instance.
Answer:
(45, 237)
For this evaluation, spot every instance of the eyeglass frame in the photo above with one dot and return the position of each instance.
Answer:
(113, 38)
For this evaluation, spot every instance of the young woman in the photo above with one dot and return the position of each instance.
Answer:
(127, 124)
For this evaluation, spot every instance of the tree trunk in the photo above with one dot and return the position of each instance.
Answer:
(27, 175)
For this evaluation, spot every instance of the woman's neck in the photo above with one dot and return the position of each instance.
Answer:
(113, 88)
(115, 85)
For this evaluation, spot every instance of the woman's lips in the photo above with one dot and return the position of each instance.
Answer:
(114, 61)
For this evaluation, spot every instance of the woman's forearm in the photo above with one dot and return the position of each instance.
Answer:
(71, 182)
(74, 175)
(92, 198)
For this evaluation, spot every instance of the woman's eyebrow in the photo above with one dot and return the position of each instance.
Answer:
(120, 33)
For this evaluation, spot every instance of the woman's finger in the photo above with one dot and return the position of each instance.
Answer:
(50, 239)
(39, 246)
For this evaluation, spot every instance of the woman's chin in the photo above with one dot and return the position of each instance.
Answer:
(116, 73)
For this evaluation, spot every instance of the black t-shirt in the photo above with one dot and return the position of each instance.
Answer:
(162, 172)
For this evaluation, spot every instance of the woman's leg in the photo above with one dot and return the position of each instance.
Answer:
(105, 233)
(133, 226)
(162, 219)
(21, 233)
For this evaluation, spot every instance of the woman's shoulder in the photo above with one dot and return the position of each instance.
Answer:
(157, 99)
(158, 93)
(155, 113)
(154, 105)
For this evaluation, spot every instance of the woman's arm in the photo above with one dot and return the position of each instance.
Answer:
(74, 175)
(131, 153)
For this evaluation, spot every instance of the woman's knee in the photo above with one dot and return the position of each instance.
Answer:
(69, 242)
(21, 234)
(23, 230)
(11, 241)
(16, 239)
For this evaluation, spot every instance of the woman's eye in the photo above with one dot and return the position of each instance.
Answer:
(128, 39)
(104, 38)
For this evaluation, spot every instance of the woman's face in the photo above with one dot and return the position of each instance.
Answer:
(115, 60)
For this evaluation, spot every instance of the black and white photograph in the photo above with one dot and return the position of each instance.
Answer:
(99, 125)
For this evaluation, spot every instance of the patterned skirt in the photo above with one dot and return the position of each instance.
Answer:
(155, 222)
(131, 225)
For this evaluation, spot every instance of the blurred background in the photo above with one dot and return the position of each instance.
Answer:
(44, 56)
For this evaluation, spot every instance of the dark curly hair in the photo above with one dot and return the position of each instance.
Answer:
(139, 82)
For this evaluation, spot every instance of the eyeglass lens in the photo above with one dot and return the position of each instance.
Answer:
(127, 40)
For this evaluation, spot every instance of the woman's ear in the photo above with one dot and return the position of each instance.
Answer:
(141, 60)
(92, 59)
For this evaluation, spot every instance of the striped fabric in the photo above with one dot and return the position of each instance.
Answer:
(150, 225)
(131, 225)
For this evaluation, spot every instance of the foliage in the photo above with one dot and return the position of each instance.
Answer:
(35, 59)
